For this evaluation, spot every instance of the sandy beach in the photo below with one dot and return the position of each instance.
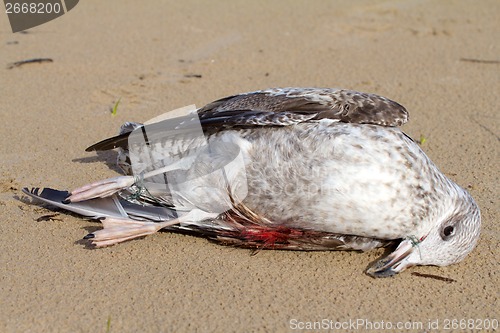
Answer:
(441, 60)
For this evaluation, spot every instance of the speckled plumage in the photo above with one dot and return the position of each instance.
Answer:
(324, 169)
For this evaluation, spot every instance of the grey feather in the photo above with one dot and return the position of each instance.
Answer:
(101, 207)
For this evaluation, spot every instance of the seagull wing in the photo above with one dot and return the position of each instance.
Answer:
(277, 107)
(288, 106)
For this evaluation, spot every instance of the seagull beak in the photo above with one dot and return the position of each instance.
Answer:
(395, 262)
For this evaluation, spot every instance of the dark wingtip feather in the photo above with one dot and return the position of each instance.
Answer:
(110, 143)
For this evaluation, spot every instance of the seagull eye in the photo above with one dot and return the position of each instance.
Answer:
(448, 231)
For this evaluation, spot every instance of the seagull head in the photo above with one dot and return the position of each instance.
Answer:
(451, 238)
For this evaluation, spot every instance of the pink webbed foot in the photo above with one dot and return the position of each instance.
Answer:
(108, 187)
(117, 230)
(100, 189)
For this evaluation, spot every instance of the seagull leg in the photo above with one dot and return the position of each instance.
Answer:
(117, 230)
(100, 189)
(107, 187)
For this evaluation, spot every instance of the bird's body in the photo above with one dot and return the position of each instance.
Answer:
(295, 169)
(353, 185)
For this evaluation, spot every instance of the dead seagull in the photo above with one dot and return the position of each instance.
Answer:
(283, 168)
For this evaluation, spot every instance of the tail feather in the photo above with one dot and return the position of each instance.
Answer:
(120, 140)
(113, 206)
